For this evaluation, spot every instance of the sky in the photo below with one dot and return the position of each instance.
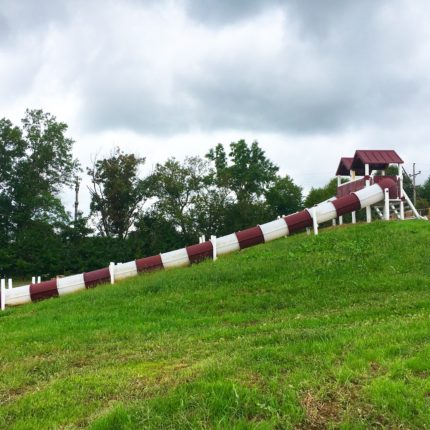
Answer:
(310, 80)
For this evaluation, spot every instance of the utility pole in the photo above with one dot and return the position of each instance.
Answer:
(413, 176)
(76, 197)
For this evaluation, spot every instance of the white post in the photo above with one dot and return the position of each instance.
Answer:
(354, 219)
(213, 240)
(402, 210)
(341, 220)
(387, 204)
(368, 209)
(2, 294)
(314, 218)
(333, 222)
(38, 279)
(402, 204)
(33, 279)
(112, 272)
(9, 284)
(308, 231)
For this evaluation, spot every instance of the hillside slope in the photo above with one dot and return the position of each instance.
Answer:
(304, 332)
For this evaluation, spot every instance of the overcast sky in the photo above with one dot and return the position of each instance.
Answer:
(310, 80)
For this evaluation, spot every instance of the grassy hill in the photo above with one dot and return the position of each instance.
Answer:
(304, 332)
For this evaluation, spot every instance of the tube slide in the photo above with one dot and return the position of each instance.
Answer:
(192, 254)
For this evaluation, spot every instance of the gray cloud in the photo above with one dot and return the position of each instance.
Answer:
(335, 66)
(298, 67)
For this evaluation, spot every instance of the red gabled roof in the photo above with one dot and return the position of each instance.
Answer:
(377, 159)
(344, 166)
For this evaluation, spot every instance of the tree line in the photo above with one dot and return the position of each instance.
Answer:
(131, 215)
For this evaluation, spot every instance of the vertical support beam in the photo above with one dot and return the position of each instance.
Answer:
(308, 231)
(112, 272)
(333, 222)
(9, 284)
(339, 183)
(402, 210)
(352, 174)
(38, 280)
(354, 218)
(33, 279)
(368, 208)
(2, 294)
(213, 240)
(402, 204)
(387, 204)
(314, 219)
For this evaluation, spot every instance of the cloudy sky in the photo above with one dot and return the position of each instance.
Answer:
(311, 80)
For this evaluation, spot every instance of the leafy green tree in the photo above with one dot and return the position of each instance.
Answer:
(246, 171)
(37, 163)
(284, 197)
(175, 186)
(318, 195)
(425, 191)
(117, 193)
(248, 174)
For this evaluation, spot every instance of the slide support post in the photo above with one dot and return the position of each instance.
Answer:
(387, 204)
(213, 240)
(112, 272)
(2, 294)
(368, 208)
(314, 218)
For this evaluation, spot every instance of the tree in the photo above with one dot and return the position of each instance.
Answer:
(117, 193)
(425, 191)
(175, 186)
(284, 197)
(249, 173)
(318, 195)
(36, 163)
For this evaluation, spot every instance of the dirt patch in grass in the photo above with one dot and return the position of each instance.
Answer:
(320, 413)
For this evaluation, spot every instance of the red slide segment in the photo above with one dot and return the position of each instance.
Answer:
(100, 276)
(346, 204)
(298, 221)
(250, 237)
(200, 251)
(43, 290)
(148, 264)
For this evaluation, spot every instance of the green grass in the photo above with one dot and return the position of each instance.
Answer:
(305, 332)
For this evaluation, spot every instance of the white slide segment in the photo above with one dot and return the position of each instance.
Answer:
(274, 229)
(324, 211)
(18, 295)
(176, 258)
(125, 270)
(370, 195)
(227, 244)
(70, 284)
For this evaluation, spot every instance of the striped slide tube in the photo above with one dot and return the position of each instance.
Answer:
(272, 230)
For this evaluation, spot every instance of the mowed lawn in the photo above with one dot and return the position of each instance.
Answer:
(305, 332)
